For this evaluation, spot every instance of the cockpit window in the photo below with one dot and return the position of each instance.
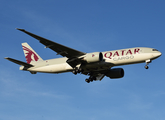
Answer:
(154, 50)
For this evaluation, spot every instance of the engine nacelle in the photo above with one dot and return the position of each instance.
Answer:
(115, 73)
(93, 57)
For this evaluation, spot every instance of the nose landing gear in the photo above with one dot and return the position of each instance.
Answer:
(147, 62)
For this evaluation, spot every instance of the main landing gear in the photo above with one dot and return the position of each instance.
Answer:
(80, 70)
(77, 70)
(147, 62)
(90, 79)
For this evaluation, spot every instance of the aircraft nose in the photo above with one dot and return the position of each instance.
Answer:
(157, 54)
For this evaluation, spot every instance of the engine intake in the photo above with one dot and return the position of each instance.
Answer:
(93, 57)
(115, 73)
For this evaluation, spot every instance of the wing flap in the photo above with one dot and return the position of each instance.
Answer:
(19, 62)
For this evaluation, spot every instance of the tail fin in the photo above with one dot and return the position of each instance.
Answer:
(30, 55)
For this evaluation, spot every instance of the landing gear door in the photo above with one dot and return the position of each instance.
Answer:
(100, 77)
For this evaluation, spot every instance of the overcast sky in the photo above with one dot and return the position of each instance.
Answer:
(88, 26)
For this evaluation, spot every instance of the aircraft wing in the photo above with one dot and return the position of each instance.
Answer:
(58, 48)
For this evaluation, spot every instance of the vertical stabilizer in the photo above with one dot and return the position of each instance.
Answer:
(30, 55)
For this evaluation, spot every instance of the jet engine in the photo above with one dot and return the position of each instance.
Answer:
(115, 73)
(93, 57)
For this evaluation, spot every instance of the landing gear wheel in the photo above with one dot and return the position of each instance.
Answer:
(146, 67)
(87, 80)
(77, 70)
(91, 80)
(74, 72)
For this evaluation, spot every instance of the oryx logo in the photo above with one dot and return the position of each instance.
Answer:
(30, 55)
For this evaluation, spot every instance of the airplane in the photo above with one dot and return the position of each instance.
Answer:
(96, 65)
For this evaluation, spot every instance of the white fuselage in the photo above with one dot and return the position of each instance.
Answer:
(110, 59)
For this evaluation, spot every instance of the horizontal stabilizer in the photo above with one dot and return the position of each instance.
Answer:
(19, 62)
